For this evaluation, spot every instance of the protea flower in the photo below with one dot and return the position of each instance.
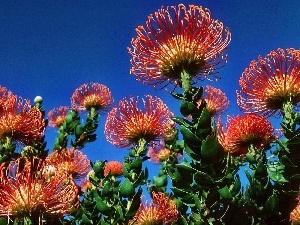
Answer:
(242, 132)
(176, 39)
(128, 123)
(295, 214)
(26, 193)
(270, 82)
(161, 210)
(57, 116)
(114, 168)
(20, 122)
(71, 161)
(92, 95)
(216, 100)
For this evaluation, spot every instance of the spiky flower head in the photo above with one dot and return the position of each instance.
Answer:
(128, 123)
(178, 38)
(242, 132)
(92, 95)
(71, 161)
(114, 168)
(295, 214)
(270, 82)
(158, 152)
(24, 191)
(162, 210)
(216, 100)
(20, 122)
(57, 116)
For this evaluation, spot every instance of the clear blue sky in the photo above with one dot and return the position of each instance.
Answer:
(49, 48)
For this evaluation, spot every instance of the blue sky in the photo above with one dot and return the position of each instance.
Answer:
(49, 48)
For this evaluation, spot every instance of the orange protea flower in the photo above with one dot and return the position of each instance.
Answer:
(20, 122)
(71, 161)
(57, 116)
(92, 95)
(4, 95)
(270, 82)
(127, 124)
(177, 38)
(216, 100)
(25, 192)
(113, 168)
(295, 214)
(158, 153)
(161, 210)
(245, 131)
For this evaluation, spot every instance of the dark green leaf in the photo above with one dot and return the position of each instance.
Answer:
(126, 189)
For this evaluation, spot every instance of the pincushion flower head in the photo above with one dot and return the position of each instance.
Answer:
(71, 161)
(114, 168)
(295, 214)
(162, 210)
(92, 95)
(57, 116)
(242, 132)
(216, 100)
(128, 123)
(270, 82)
(20, 122)
(177, 39)
(24, 191)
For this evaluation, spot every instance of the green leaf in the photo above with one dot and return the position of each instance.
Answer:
(210, 148)
(134, 204)
(204, 120)
(190, 138)
(127, 189)
(272, 203)
(186, 166)
(85, 219)
(187, 108)
(182, 122)
(102, 206)
(177, 95)
(3, 221)
(203, 179)
(250, 158)
(225, 192)
(160, 181)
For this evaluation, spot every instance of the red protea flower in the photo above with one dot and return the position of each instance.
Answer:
(114, 168)
(216, 100)
(127, 124)
(4, 95)
(244, 131)
(57, 116)
(71, 161)
(20, 122)
(93, 95)
(158, 153)
(270, 82)
(24, 192)
(177, 38)
(161, 210)
(295, 214)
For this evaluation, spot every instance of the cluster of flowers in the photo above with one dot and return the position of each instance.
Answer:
(178, 45)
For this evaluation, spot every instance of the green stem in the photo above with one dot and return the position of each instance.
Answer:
(186, 79)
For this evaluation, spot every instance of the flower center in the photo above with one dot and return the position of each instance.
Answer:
(179, 54)
(281, 89)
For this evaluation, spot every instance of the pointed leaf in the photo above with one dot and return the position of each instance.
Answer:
(127, 189)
